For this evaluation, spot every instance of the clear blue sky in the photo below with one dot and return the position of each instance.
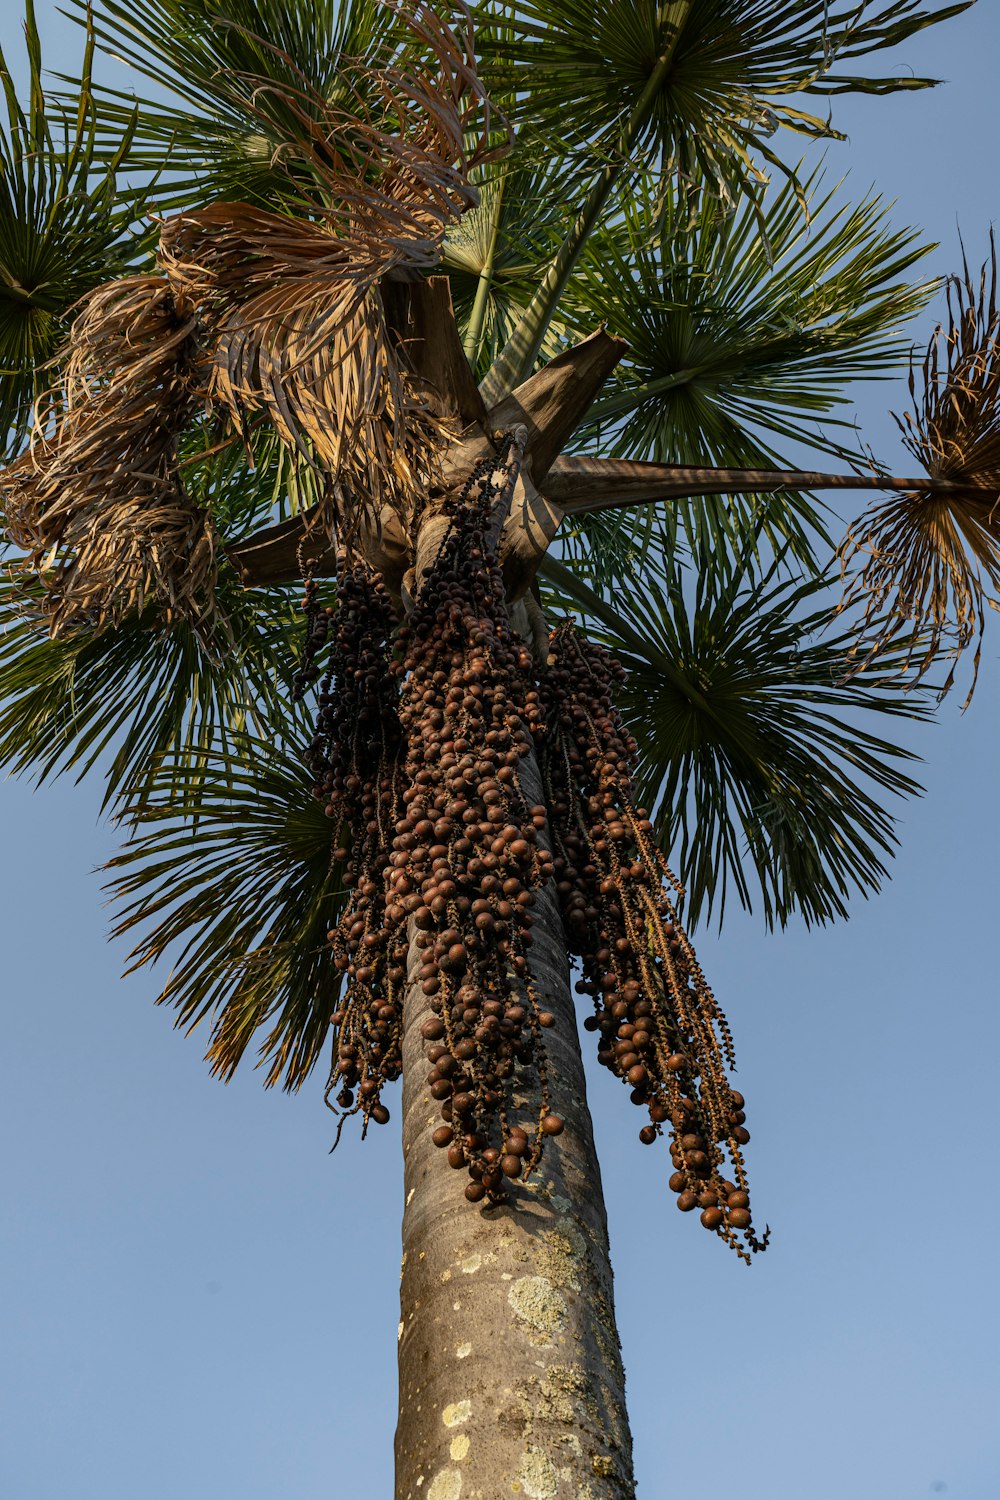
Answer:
(201, 1303)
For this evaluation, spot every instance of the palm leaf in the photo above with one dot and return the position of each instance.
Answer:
(579, 71)
(132, 699)
(225, 67)
(497, 253)
(261, 316)
(63, 223)
(751, 745)
(731, 348)
(695, 89)
(229, 874)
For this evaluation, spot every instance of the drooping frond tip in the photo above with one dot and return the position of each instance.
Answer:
(931, 558)
(267, 316)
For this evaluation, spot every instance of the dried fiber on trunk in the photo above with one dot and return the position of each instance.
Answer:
(97, 501)
(931, 560)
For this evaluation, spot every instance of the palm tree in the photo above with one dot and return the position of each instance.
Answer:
(508, 359)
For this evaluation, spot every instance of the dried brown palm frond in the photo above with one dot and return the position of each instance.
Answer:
(932, 557)
(292, 305)
(96, 501)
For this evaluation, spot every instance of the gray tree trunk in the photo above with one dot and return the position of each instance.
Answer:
(510, 1373)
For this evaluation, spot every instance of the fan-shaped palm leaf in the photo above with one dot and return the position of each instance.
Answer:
(750, 742)
(220, 72)
(496, 254)
(720, 70)
(261, 315)
(63, 225)
(132, 698)
(695, 86)
(229, 872)
(729, 345)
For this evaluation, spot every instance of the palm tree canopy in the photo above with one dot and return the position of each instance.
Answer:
(615, 176)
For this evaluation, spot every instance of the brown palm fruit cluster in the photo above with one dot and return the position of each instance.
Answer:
(659, 1028)
(466, 857)
(354, 757)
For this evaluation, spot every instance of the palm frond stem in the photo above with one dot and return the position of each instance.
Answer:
(473, 341)
(582, 485)
(517, 359)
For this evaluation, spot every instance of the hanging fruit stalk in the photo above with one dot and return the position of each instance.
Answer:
(466, 856)
(422, 730)
(354, 756)
(659, 1027)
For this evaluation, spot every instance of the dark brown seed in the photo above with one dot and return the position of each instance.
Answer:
(686, 1202)
(647, 1135)
(475, 1192)
(712, 1218)
(553, 1125)
(443, 1136)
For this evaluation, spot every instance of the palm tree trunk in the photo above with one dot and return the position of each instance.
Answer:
(510, 1373)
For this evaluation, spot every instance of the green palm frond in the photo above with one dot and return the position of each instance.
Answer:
(750, 742)
(694, 87)
(730, 347)
(723, 72)
(225, 82)
(126, 699)
(497, 253)
(63, 228)
(229, 875)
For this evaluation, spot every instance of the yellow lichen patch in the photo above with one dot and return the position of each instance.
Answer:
(463, 1351)
(446, 1485)
(536, 1301)
(459, 1447)
(470, 1266)
(538, 1476)
(457, 1413)
(602, 1465)
(559, 1392)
